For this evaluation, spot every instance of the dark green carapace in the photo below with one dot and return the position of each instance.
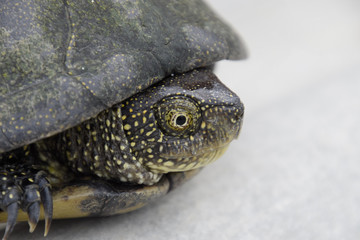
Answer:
(108, 105)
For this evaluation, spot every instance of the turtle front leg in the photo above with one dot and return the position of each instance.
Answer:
(24, 187)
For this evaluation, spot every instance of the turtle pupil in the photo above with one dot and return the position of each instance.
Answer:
(180, 120)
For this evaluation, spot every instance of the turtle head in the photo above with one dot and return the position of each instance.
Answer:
(183, 122)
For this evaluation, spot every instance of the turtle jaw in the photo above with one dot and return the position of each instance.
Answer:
(220, 126)
(189, 163)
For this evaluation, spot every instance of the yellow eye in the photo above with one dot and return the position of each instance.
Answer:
(178, 116)
(178, 119)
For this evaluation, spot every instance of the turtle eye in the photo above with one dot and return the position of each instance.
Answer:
(177, 116)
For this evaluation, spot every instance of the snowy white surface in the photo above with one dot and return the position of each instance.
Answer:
(294, 173)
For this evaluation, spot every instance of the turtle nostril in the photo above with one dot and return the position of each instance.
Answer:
(238, 114)
(241, 111)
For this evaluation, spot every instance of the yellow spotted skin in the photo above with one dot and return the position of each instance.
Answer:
(179, 124)
(188, 122)
(99, 146)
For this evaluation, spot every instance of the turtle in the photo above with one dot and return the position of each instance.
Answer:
(108, 105)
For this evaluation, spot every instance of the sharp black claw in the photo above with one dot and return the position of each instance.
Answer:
(46, 199)
(12, 211)
(31, 204)
(33, 213)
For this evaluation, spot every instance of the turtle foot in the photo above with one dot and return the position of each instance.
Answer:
(23, 187)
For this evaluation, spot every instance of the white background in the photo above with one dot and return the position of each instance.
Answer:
(294, 173)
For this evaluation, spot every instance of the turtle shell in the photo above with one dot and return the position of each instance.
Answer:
(62, 62)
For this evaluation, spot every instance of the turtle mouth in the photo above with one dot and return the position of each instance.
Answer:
(190, 161)
(206, 156)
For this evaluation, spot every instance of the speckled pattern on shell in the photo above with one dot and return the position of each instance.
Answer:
(62, 62)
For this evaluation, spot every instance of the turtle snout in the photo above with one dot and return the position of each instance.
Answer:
(239, 112)
(239, 116)
(237, 119)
